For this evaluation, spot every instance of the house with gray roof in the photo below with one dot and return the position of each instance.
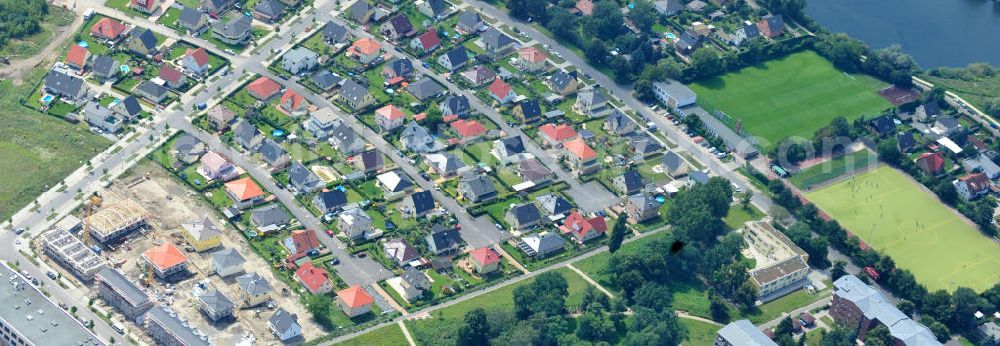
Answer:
(105, 67)
(534, 171)
(445, 164)
(397, 27)
(476, 188)
(355, 95)
(65, 86)
(641, 207)
(510, 149)
(455, 105)
(336, 34)
(274, 155)
(284, 325)
(216, 306)
(668, 7)
(982, 163)
(433, 8)
(369, 161)
(542, 245)
(425, 88)
(393, 183)
(496, 43)
(528, 111)
(188, 149)
(122, 294)
(742, 333)
(553, 204)
(101, 117)
(412, 284)
(237, 31)
(443, 240)
(166, 328)
(418, 204)
(269, 11)
(303, 179)
(129, 108)
(454, 59)
(523, 216)
(674, 165)
(592, 103)
(325, 80)
(192, 20)
(215, 7)
(360, 12)
(247, 135)
(152, 92)
(399, 251)
(905, 142)
(345, 140)
(417, 139)
(269, 218)
(398, 68)
(299, 60)
(469, 22)
(628, 183)
(562, 82)
(330, 200)
(321, 122)
(620, 124)
(698, 177)
(643, 145)
(227, 262)
(858, 305)
(143, 42)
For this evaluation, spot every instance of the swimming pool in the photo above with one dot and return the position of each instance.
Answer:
(83, 44)
(671, 36)
(47, 98)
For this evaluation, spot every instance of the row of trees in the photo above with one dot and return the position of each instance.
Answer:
(20, 18)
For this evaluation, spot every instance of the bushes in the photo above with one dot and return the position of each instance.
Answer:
(20, 18)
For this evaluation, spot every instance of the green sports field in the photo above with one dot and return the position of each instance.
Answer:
(792, 96)
(896, 216)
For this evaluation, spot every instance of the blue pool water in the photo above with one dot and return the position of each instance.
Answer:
(277, 133)
(82, 44)
(660, 199)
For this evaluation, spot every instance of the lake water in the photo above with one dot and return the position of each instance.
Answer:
(935, 32)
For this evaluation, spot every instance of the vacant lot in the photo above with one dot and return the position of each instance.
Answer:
(388, 335)
(789, 97)
(36, 151)
(894, 215)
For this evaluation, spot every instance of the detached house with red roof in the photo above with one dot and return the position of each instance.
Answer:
(144, 6)
(173, 78)
(972, 186)
(244, 192)
(583, 229)
(484, 260)
(501, 91)
(263, 88)
(314, 279)
(426, 42)
(581, 157)
(468, 130)
(292, 102)
(302, 241)
(78, 57)
(389, 117)
(108, 29)
(165, 259)
(531, 59)
(556, 135)
(930, 163)
(354, 301)
(196, 61)
(365, 50)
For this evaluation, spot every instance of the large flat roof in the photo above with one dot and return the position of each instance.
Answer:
(37, 318)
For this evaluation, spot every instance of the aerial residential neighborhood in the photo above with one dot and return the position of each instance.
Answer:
(438, 172)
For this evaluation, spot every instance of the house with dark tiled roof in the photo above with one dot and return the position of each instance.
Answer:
(454, 59)
(455, 105)
(592, 103)
(355, 95)
(129, 108)
(417, 139)
(274, 155)
(673, 165)
(237, 31)
(433, 8)
(299, 60)
(152, 92)
(905, 142)
(303, 179)
(215, 8)
(476, 188)
(527, 111)
(143, 42)
(192, 20)
(426, 42)
(523, 216)
(445, 164)
(982, 163)
(562, 82)
(344, 139)
(254, 289)
(397, 27)
(397, 70)
(553, 204)
(247, 135)
(883, 126)
(641, 207)
(335, 34)
(325, 80)
(687, 43)
(628, 183)
(668, 7)
(618, 123)
(443, 240)
(496, 43)
(284, 325)
(329, 200)
(268, 11)
(105, 67)
(510, 149)
(534, 171)
(360, 12)
(399, 251)
(425, 88)
(64, 85)
(393, 184)
(479, 75)
(542, 245)
(643, 146)
(369, 161)
(418, 204)
(469, 22)
(863, 308)
(412, 284)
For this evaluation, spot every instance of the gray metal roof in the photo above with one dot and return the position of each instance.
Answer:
(174, 326)
(469, 19)
(131, 105)
(271, 151)
(477, 185)
(234, 28)
(425, 88)
(282, 321)
(300, 53)
(152, 89)
(38, 319)
(270, 215)
(271, 8)
(300, 176)
(744, 333)
(874, 306)
(359, 9)
(253, 284)
(125, 288)
(334, 33)
(216, 301)
(228, 257)
(525, 213)
(493, 39)
(325, 80)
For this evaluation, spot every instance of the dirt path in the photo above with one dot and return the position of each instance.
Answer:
(590, 280)
(18, 67)
(406, 333)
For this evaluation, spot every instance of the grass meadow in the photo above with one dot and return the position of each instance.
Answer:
(890, 212)
(790, 97)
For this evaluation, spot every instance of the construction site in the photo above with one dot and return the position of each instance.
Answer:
(141, 226)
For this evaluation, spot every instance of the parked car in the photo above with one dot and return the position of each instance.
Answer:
(329, 232)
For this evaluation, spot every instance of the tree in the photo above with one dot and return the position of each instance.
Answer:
(546, 296)
(595, 51)
(476, 330)
(644, 90)
(888, 151)
(319, 308)
(606, 23)
(528, 10)
(965, 302)
(941, 331)
(946, 192)
(839, 336)
(643, 15)
(938, 305)
(706, 62)
(879, 336)
(789, 152)
(563, 24)
(745, 199)
(650, 295)
(594, 300)
(593, 327)
(719, 309)
(838, 269)
(618, 233)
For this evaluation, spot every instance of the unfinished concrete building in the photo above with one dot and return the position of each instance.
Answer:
(781, 265)
(119, 292)
(166, 328)
(116, 220)
(72, 254)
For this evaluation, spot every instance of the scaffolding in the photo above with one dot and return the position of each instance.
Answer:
(115, 220)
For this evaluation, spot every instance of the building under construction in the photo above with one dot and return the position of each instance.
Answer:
(72, 254)
(115, 221)
(122, 294)
(167, 328)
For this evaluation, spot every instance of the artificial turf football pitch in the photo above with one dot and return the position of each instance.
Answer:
(896, 216)
(790, 97)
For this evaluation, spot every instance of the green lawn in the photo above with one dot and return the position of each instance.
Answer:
(790, 97)
(832, 169)
(57, 20)
(892, 214)
(500, 299)
(37, 151)
(388, 335)
(773, 309)
(738, 216)
(699, 333)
